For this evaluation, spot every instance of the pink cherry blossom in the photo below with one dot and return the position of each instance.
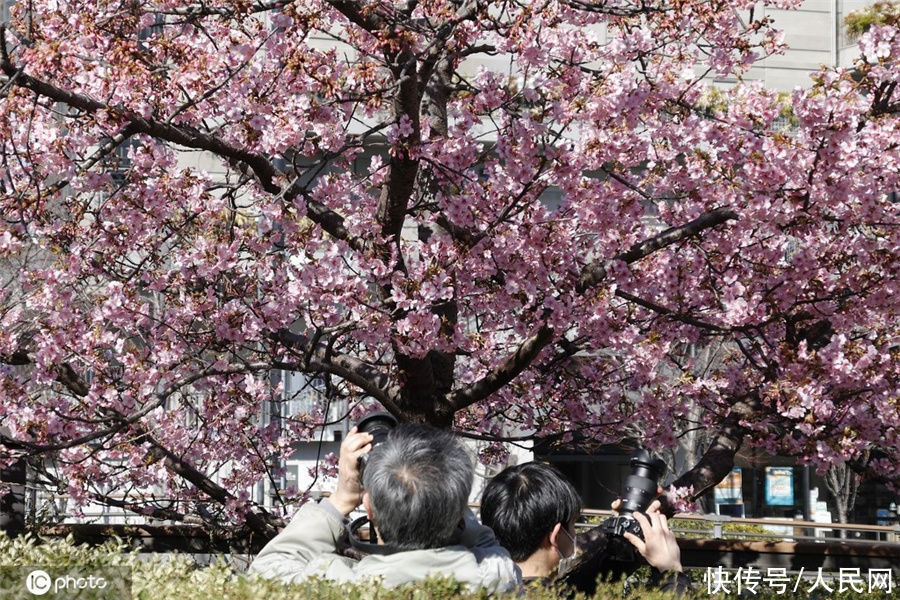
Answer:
(516, 220)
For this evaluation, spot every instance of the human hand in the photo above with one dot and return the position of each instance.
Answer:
(349, 492)
(658, 546)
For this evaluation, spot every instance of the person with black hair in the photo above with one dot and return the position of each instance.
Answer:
(532, 509)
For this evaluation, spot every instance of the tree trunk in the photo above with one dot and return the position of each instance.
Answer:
(12, 503)
(842, 483)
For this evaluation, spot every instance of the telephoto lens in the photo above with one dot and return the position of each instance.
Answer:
(641, 484)
(607, 555)
(639, 492)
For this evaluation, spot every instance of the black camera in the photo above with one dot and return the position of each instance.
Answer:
(379, 425)
(640, 490)
(606, 554)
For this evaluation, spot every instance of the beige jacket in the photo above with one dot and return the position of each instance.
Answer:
(307, 547)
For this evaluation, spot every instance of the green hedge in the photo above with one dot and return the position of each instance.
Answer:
(691, 528)
(879, 13)
(703, 529)
(177, 577)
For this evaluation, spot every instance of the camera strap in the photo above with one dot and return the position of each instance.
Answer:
(367, 547)
(372, 546)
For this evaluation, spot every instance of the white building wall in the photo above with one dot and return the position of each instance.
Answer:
(815, 35)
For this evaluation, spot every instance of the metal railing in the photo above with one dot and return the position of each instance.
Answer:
(706, 541)
(714, 526)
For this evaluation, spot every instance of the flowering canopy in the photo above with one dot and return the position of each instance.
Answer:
(508, 217)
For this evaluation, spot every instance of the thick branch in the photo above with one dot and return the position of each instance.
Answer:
(119, 421)
(718, 460)
(182, 135)
(330, 221)
(17, 358)
(355, 13)
(592, 275)
(663, 310)
(401, 175)
(153, 512)
(65, 374)
(862, 467)
(435, 50)
(503, 374)
(602, 8)
(259, 521)
(202, 10)
(596, 272)
(186, 136)
(320, 360)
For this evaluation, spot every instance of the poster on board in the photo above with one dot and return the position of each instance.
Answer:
(779, 486)
(728, 491)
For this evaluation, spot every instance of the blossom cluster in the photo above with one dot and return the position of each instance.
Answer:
(196, 197)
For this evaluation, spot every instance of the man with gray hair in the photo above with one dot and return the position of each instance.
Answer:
(415, 488)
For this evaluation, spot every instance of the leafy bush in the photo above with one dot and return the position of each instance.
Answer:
(703, 529)
(688, 528)
(880, 13)
(169, 577)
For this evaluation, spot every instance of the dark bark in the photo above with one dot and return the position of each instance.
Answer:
(718, 460)
(428, 380)
(595, 272)
(12, 503)
(65, 373)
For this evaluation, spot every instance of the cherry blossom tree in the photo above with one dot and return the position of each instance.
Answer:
(504, 217)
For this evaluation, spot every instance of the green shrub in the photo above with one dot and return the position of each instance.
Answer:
(703, 529)
(171, 577)
(879, 13)
(689, 528)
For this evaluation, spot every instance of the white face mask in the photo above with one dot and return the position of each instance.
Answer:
(566, 562)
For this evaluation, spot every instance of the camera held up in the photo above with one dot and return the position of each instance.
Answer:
(379, 425)
(607, 552)
(640, 490)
